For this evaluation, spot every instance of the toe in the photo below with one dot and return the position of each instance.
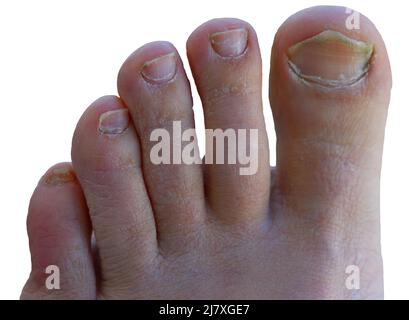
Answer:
(329, 90)
(154, 87)
(105, 154)
(226, 65)
(60, 235)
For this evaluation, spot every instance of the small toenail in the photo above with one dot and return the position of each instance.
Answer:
(230, 43)
(330, 59)
(114, 122)
(58, 176)
(161, 69)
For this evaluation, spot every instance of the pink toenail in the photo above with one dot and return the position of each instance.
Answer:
(161, 69)
(114, 122)
(230, 43)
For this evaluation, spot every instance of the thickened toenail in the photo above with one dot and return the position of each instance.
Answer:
(230, 43)
(330, 59)
(114, 122)
(161, 69)
(58, 176)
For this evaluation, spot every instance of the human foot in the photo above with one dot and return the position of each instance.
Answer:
(191, 231)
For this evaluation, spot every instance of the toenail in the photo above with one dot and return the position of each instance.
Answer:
(230, 43)
(58, 176)
(330, 59)
(114, 122)
(161, 69)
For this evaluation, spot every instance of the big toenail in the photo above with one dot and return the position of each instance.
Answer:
(114, 122)
(161, 69)
(330, 59)
(58, 176)
(230, 43)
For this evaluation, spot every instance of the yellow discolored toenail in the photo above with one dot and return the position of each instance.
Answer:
(330, 59)
(58, 176)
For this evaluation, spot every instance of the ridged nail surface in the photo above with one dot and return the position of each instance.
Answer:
(330, 59)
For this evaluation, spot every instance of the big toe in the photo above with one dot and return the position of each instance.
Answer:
(329, 90)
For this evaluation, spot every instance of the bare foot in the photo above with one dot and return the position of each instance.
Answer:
(191, 231)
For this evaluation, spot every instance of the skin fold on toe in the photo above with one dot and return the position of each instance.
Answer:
(203, 230)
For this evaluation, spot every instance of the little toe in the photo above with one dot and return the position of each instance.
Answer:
(59, 231)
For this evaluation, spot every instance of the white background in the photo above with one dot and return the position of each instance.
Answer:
(56, 57)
